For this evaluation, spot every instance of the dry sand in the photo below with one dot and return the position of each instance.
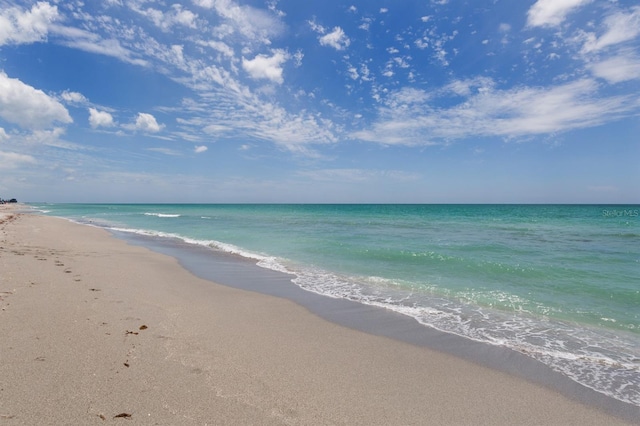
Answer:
(92, 329)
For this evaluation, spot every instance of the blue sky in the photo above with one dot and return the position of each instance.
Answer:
(430, 101)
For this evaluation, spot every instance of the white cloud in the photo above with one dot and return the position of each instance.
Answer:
(317, 27)
(518, 112)
(100, 118)
(550, 13)
(165, 20)
(421, 44)
(383, 10)
(297, 58)
(17, 26)
(3, 135)
(224, 104)
(407, 97)
(73, 97)
(200, 149)
(254, 24)
(266, 67)
(147, 123)
(28, 107)
(207, 4)
(219, 46)
(620, 27)
(336, 39)
(49, 137)
(617, 69)
(165, 151)
(183, 17)
(12, 160)
(89, 42)
(214, 129)
(468, 87)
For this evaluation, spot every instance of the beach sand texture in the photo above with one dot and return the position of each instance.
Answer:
(96, 331)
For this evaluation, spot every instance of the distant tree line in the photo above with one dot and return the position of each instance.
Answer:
(13, 200)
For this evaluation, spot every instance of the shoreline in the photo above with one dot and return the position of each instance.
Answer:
(230, 355)
(242, 273)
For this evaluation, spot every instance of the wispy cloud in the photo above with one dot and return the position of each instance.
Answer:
(12, 160)
(619, 28)
(255, 25)
(622, 67)
(510, 113)
(358, 175)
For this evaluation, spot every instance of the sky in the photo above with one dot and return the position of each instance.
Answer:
(290, 101)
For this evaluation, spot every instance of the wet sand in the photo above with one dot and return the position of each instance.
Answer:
(95, 331)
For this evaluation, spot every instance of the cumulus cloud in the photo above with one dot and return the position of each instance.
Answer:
(147, 123)
(200, 149)
(17, 26)
(336, 39)
(100, 118)
(266, 67)
(550, 13)
(28, 107)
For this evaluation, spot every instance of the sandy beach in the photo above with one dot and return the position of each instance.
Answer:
(97, 331)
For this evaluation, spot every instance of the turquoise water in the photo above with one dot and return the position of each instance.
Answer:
(560, 283)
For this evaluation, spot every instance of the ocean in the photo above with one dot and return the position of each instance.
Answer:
(559, 283)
